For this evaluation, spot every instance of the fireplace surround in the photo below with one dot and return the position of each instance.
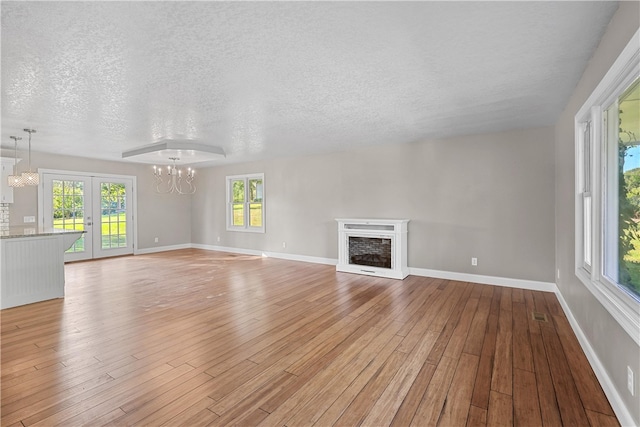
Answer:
(375, 247)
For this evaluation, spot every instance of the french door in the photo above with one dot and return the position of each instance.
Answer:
(99, 205)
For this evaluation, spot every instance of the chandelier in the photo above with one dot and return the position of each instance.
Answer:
(174, 183)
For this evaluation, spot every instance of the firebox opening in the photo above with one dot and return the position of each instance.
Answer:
(370, 251)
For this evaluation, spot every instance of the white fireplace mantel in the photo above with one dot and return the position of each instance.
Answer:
(385, 232)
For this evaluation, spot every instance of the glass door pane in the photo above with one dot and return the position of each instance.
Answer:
(113, 237)
(69, 209)
(98, 205)
(67, 205)
(113, 213)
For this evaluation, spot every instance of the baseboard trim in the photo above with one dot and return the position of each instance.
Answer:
(485, 280)
(279, 255)
(161, 249)
(621, 411)
(303, 258)
(438, 274)
(226, 249)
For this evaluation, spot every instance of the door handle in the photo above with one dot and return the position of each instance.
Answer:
(89, 223)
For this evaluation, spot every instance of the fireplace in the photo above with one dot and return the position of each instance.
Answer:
(373, 247)
(370, 251)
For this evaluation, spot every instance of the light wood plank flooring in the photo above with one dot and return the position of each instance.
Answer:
(195, 337)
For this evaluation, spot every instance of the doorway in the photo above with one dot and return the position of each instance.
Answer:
(101, 205)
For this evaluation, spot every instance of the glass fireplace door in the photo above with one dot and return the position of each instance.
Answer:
(371, 251)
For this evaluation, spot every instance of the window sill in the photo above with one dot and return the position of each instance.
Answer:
(246, 230)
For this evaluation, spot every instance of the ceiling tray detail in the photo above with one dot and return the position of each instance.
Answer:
(188, 152)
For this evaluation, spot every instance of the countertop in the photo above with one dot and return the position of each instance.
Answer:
(23, 231)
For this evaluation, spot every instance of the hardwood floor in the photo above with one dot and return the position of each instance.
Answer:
(195, 337)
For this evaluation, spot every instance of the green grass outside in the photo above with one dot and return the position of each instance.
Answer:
(238, 215)
(255, 215)
(111, 224)
(113, 230)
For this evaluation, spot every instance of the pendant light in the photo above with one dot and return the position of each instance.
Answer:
(15, 180)
(30, 178)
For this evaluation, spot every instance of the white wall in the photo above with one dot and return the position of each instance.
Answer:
(166, 216)
(485, 196)
(611, 344)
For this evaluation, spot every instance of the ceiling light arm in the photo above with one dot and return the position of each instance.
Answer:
(15, 180)
(30, 178)
(30, 132)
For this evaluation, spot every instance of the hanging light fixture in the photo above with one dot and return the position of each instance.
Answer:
(30, 178)
(15, 180)
(174, 182)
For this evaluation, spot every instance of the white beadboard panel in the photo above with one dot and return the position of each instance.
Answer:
(36, 270)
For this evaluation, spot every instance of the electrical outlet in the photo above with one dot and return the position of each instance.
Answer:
(218, 238)
(28, 219)
(156, 240)
(558, 274)
(474, 261)
(284, 245)
(630, 380)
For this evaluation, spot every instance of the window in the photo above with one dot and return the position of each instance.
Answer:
(608, 191)
(621, 120)
(586, 194)
(245, 203)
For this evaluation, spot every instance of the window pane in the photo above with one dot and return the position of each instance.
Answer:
(238, 214)
(255, 214)
(238, 191)
(587, 230)
(587, 158)
(255, 190)
(624, 133)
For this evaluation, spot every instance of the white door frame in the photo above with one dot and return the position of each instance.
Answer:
(133, 202)
(98, 251)
(87, 217)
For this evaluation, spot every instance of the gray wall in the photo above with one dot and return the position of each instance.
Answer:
(166, 216)
(615, 349)
(485, 196)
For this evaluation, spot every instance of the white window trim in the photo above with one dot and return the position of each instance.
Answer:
(623, 307)
(585, 190)
(246, 228)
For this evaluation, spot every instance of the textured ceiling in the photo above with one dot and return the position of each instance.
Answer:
(270, 79)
